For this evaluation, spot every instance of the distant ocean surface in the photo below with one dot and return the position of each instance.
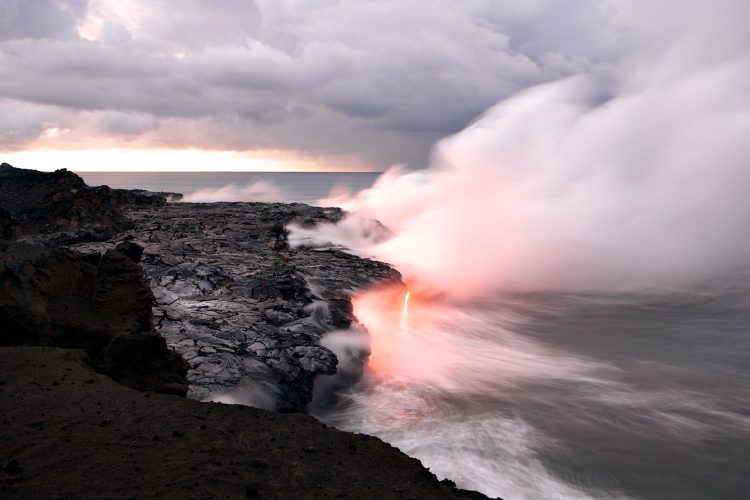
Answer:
(304, 187)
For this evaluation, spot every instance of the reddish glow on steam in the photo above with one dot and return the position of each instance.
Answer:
(405, 313)
(401, 327)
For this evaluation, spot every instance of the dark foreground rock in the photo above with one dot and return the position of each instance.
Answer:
(68, 432)
(98, 302)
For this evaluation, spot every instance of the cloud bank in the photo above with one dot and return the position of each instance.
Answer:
(368, 83)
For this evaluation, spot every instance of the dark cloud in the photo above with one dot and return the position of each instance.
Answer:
(574, 28)
(196, 24)
(380, 80)
(127, 124)
(40, 18)
(22, 123)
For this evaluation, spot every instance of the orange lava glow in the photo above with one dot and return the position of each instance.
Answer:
(379, 310)
(397, 321)
(405, 312)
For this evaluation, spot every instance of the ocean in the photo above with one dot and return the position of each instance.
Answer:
(554, 396)
(303, 187)
(540, 396)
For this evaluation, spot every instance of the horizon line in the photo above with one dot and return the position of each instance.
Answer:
(223, 171)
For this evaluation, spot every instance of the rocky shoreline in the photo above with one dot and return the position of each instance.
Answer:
(242, 308)
(206, 300)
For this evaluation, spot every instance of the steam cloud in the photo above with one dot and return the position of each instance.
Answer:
(630, 178)
(262, 191)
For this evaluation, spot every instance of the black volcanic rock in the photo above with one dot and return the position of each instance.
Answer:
(232, 298)
(131, 250)
(57, 205)
(120, 197)
(101, 303)
(58, 208)
(246, 311)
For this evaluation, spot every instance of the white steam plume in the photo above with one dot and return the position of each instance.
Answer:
(260, 190)
(631, 178)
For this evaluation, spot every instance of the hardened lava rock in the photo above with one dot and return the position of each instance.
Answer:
(242, 308)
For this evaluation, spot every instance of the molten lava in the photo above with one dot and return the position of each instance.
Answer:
(405, 312)
(400, 325)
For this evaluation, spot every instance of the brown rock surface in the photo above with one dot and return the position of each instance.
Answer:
(101, 303)
(68, 432)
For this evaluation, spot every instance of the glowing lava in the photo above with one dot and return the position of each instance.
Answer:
(400, 327)
(405, 312)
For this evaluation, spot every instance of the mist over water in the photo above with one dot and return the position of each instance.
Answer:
(562, 395)
(578, 259)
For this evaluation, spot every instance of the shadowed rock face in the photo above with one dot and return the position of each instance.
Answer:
(58, 208)
(101, 303)
(52, 296)
(243, 309)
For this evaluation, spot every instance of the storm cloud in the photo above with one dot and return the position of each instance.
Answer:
(375, 82)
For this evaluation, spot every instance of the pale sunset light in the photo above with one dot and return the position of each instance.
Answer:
(170, 160)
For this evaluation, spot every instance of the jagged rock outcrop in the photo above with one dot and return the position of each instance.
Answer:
(101, 303)
(242, 308)
(52, 296)
(58, 208)
(245, 310)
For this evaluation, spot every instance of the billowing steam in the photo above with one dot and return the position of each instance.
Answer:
(629, 178)
(259, 190)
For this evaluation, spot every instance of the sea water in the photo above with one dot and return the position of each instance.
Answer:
(542, 396)
(303, 187)
(565, 396)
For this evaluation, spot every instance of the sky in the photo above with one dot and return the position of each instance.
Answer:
(277, 84)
